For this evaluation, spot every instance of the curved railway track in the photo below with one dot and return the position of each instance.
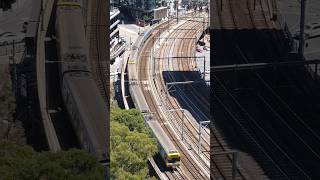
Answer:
(277, 160)
(189, 169)
(173, 103)
(98, 46)
(223, 164)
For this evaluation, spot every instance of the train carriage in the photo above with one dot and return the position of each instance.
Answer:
(168, 151)
(85, 105)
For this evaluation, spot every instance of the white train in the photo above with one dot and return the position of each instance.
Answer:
(85, 105)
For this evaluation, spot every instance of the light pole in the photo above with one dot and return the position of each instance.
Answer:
(177, 4)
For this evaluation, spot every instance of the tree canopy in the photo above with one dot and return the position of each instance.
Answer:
(132, 118)
(131, 145)
(22, 162)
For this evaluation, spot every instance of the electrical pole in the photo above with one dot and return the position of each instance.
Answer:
(42, 15)
(302, 25)
(177, 11)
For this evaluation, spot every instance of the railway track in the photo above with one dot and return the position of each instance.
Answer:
(98, 46)
(189, 169)
(274, 151)
(222, 165)
(238, 14)
(173, 103)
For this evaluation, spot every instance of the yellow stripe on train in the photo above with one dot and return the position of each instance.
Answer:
(131, 62)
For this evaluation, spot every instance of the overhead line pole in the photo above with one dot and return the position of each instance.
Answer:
(302, 25)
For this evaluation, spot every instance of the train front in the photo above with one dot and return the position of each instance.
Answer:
(173, 159)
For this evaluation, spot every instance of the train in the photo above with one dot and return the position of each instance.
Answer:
(168, 152)
(85, 105)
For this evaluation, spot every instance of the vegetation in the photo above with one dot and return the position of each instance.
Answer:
(131, 145)
(10, 128)
(146, 18)
(22, 162)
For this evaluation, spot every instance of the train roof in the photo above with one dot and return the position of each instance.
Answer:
(138, 98)
(161, 136)
(71, 31)
(92, 108)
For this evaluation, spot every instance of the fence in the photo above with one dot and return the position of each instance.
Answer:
(6, 50)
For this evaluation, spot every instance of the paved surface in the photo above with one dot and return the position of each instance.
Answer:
(130, 32)
(12, 21)
(290, 10)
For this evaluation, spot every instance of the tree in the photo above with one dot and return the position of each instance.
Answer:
(132, 118)
(10, 128)
(131, 145)
(22, 162)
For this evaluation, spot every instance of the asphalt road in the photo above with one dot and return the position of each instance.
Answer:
(12, 21)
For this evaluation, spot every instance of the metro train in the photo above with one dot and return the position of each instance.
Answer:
(168, 152)
(85, 105)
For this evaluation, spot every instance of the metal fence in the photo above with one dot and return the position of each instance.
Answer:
(9, 49)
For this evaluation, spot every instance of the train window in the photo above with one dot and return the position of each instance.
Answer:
(173, 151)
(174, 160)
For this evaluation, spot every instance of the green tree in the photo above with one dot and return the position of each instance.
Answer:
(131, 145)
(22, 162)
(132, 118)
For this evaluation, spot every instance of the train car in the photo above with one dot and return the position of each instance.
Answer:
(138, 99)
(168, 152)
(84, 103)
